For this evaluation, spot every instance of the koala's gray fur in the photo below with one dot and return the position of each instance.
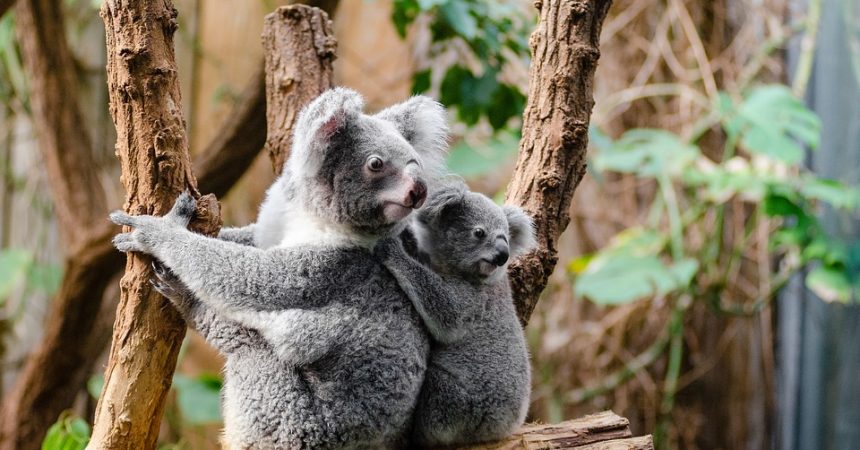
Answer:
(478, 379)
(323, 350)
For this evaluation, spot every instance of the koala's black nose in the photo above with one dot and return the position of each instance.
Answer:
(501, 255)
(417, 195)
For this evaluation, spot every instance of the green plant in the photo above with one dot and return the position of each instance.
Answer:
(69, 433)
(486, 35)
(683, 251)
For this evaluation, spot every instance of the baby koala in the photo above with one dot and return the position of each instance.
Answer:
(477, 383)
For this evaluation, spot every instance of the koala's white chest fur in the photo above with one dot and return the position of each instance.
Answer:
(283, 223)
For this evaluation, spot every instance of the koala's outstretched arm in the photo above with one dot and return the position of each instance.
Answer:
(225, 275)
(447, 307)
(225, 335)
(240, 235)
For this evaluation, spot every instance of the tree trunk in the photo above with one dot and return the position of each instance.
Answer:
(153, 153)
(300, 48)
(555, 133)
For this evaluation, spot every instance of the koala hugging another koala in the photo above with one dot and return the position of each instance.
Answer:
(325, 346)
(305, 274)
(478, 378)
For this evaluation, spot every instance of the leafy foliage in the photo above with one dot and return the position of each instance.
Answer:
(470, 160)
(631, 268)
(767, 133)
(69, 433)
(19, 268)
(494, 33)
(199, 398)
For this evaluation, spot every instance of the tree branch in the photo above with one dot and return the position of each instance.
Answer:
(153, 152)
(300, 48)
(555, 133)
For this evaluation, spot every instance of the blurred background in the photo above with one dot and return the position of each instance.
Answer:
(707, 284)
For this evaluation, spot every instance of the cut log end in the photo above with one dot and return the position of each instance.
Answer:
(604, 431)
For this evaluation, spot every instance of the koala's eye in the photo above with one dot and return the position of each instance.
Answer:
(479, 233)
(375, 163)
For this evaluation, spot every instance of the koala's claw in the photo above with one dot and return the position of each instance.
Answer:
(184, 207)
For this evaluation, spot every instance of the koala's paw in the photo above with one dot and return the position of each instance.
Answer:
(165, 282)
(183, 209)
(128, 242)
(387, 249)
(144, 235)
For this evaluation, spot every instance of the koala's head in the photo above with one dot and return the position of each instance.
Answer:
(466, 234)
(362, 172)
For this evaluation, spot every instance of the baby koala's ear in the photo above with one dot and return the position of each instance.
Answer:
(521, 226)
(333, 111)
(441, 204)
(424, 123)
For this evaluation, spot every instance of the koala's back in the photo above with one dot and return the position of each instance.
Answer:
(360, 395)
(478, 387)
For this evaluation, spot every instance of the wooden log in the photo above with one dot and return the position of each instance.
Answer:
(602, 431)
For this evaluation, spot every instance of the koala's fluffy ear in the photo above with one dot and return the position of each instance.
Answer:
(318, 122)
(441, 203)
(522, 230)
(424, 124)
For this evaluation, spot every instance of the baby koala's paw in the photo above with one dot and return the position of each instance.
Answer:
(387, 249)
(165, 282)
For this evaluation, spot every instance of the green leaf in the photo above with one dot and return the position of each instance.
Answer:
(45, 277)
(471, 161)
(95, 385)
(647, 153)
(421, 81)
(404, 13)
(833, 192)
(457, 14)
(68, 433)
(13, 267)
(629, 269)
(199, 399)
(830, 284)
(775, 123)
(506, 102)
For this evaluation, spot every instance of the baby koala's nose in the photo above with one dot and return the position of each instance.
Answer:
(501, 255)
(417, 195)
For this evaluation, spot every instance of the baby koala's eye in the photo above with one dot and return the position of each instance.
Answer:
(479, 233)
(375, 163)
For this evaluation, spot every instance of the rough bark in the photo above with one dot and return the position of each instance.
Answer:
(43, 388)
(300, 48)
(153, 152)
(604, 430)
(554, 140)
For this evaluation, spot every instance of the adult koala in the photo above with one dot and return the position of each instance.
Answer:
(306, 270)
